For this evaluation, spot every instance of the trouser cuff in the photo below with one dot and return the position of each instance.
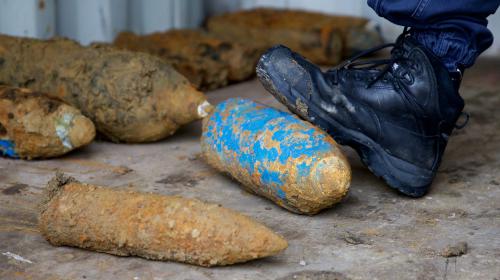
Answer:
(451, 47)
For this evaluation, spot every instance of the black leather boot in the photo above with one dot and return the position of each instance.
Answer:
(397, 113)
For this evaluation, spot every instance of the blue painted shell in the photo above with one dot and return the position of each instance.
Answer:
(276, 155)
(8, 149)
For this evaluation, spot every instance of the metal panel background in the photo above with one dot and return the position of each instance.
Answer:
(100, 20)
(148, 16)
(33, 18)
(91, 20)
(96, 20)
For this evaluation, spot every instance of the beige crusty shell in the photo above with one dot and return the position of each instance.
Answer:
(152, 226)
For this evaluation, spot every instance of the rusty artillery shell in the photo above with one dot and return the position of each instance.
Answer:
(151, 226)
(207, 61)
(35, 126)
(130, 97)
(276, 155)
(322, 38)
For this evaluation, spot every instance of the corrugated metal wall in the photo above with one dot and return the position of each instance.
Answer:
(96, 20)
(100, 20)
(31, 18)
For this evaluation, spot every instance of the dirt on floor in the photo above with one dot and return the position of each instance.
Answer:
(374, 233)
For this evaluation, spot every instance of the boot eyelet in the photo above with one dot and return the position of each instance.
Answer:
(408, 78)
(416, 67)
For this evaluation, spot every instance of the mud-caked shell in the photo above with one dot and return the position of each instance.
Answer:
(207, 61)
(151, 226)
(322, 38)
(130, 97)
(33, 125)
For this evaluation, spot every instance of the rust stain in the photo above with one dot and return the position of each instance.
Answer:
(41, 4)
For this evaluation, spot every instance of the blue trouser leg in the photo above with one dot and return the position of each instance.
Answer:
(455, 30)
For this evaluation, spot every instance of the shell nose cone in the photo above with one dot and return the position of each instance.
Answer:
(204, 109)
(261, 242)
(334, 169)
(82, 132)
(278, 244)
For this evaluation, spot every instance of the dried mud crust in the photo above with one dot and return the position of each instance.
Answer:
(131, 97)
(207, 61)
(54, 186)
(324, 39)
(152, 226)
(37, 126)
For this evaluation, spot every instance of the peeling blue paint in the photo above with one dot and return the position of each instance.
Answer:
(269, 177)
(262, 140)
(303, 169)
(8, 149)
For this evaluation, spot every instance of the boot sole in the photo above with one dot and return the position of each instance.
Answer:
(403, 176)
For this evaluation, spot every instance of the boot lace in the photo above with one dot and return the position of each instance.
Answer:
(396, 55)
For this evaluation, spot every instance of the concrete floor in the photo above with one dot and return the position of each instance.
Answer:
(373, 234)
